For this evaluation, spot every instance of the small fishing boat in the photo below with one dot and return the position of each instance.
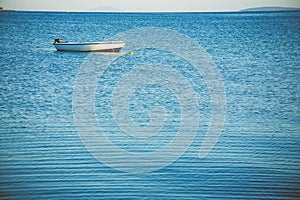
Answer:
(113, 46)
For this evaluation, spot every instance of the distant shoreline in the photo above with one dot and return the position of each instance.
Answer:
(271, 9)
(153, 12)
(115, 10)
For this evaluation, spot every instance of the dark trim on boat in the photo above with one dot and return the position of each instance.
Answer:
(116, 50)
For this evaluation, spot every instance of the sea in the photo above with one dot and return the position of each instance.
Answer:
(195, 106)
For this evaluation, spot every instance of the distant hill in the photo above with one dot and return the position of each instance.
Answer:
(2, 9)
(270, 9)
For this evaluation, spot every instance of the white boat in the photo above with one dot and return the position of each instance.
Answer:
(113, 46)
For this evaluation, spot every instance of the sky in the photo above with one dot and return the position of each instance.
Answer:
(143, 5)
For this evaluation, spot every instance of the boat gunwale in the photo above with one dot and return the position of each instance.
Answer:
(89, 43)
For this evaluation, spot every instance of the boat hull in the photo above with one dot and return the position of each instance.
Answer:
(90, 47)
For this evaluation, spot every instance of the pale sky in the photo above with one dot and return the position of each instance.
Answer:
(143, 5)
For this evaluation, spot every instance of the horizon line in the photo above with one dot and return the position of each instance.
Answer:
(166, 11)
(116, 10)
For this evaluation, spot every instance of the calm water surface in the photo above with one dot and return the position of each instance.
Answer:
(256, 157)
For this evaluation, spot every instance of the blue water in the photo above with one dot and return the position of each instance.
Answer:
(257, 155)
